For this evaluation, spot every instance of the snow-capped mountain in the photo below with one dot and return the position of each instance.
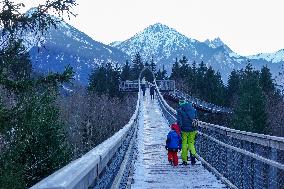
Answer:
(166, 44)
(66, 45)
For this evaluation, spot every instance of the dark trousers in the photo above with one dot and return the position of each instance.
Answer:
(172, 156)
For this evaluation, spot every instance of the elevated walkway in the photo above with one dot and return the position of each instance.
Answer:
(151, 169)
(240, 159)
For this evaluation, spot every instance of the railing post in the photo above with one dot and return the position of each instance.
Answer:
(273, 173)
(229, 171)
(247, 167)
(258, 170)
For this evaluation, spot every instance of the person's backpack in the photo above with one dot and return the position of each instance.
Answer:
(194, 121)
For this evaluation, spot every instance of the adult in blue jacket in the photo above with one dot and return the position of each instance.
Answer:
(185, 115)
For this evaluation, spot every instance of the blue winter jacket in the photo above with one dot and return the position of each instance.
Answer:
(173, 141)
(185, 114)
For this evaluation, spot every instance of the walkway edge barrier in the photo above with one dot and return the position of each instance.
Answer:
(270, 142)
(83, 172)
(265, 140)
(117, 180)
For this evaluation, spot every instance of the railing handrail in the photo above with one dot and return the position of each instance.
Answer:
(214, 106)
(262, 139)
(83, 171)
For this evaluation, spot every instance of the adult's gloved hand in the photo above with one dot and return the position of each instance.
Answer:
(166, 147)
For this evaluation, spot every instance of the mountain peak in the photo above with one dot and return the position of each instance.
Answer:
(158, 26)
(157, 39)
(215, 43)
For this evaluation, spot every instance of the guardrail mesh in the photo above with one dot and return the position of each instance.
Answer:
(239, 168)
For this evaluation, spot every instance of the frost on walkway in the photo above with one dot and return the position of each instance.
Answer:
(152, 169)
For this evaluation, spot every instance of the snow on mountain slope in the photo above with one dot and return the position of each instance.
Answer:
(270, 57)
(163, 43)
(68, 46)
(157, 39)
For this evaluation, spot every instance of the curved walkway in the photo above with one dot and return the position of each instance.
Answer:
(152, 169)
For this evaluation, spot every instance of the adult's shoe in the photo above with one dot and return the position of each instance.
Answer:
(192, 160)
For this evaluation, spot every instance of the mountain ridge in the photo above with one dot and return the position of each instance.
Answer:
(67, 45)
(166, 44)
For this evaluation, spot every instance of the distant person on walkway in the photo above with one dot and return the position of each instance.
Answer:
(152, 91)
(143, 85)
(185, 116)
(173, 144)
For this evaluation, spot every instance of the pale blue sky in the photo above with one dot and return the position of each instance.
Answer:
(246, 26)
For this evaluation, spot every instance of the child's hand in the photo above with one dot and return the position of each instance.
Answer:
(166, 147)
(179, 149)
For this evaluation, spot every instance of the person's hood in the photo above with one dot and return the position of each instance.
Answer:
(182, 101)
(187, 107)
(175, 127)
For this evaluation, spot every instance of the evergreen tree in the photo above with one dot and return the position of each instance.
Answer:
(233, 88)
(35, 141)
(126, 72)
(210, 89)
(148, 74)
(137, 66)
(193, 80)
(175, 70)
(37, 144)
(266, 81)
(194, 67)
(153, 65)
(113, 76)
(161, 74)
(250, 114)
(221, 90)
(214, 89)
(98, 81)
(201, 69)
(184, 68)
(200, 79)
(105, 80)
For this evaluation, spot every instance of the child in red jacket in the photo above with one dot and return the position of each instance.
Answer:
(173, 144)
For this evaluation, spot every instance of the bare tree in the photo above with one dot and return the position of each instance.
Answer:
(91, 119)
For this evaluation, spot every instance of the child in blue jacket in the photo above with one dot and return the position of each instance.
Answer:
(173, 144)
